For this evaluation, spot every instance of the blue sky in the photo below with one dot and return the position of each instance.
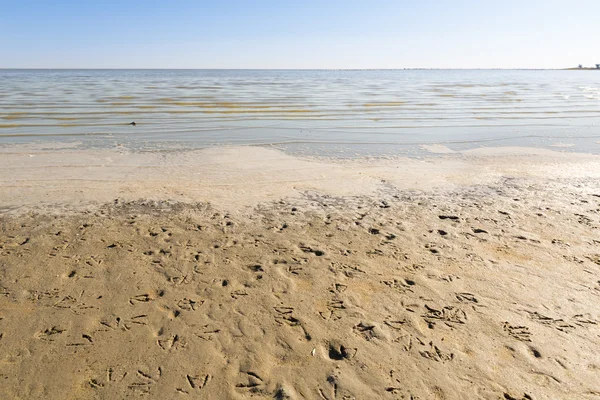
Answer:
(299, 34)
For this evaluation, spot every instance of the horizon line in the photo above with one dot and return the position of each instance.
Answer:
(292, 69)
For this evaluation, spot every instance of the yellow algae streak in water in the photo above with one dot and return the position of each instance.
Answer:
(246, 111)
(17, 115)
(388, 104)
(227, 105)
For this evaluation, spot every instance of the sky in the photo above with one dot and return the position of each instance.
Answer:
(276, 34)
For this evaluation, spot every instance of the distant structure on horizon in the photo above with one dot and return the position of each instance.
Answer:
(580, 66)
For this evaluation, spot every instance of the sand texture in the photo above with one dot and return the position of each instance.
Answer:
(485, 287)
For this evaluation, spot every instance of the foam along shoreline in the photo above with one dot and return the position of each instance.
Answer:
(468, 275)
(237, 178)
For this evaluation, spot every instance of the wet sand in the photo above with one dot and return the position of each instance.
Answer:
(245, 272)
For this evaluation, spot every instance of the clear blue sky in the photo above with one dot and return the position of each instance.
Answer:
(299, 33)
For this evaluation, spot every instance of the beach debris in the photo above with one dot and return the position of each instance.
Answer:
(451, 217)
(132, 123)
(384, 204)
(308, 249)
(313, 351)
(507, 396)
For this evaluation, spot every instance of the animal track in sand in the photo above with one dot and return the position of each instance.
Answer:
(308, 249)
(173, 342)
(404, 338)
(284, 316)
(434, 353)
(140, 381)
(95, 384)
(396, 323)
(365, 330)
(339, 352)
(584, 220)
(334, 310)
(154, 377)
(36, 296)
(338, 288)
(448, 314)
(236, 294)
(345, 269)
(521, 333)
(412, 268)
(256, 268)
(195, 382)
(595, 258)
(140, 387)
(584, 320)
(559, 324)
(444, 278)
(140, 298)
(189, 304)
(125, 324)
(69, 302)
(207, 332)
(49, 335)
(86, 341)
(375, 252)
(295, 266)
(401, 285)
(466, 297)
(250, 380)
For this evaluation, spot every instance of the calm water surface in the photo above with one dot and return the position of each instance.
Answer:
(330, 112)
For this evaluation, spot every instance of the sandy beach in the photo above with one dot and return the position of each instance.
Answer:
(245, 272)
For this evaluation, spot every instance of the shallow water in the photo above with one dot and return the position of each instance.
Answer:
(324, 112)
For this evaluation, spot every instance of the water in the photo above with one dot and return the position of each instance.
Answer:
(325, 112)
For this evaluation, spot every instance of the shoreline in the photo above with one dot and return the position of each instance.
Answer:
(236, 179)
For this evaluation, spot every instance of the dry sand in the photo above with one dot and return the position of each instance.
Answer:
(463, 276)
